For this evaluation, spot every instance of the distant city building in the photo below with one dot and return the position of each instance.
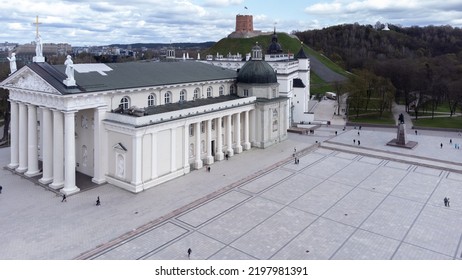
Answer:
(26, 52)
(7, 47)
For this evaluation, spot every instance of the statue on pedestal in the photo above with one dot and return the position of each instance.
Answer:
(13, 66)
(401, 137)
(70, 81)
(401, 118)
(38, 46)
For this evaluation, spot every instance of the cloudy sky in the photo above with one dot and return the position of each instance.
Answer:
(92, 22)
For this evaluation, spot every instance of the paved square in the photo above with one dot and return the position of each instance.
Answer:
(332, 205)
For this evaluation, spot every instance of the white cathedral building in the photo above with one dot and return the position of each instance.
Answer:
(137, 125)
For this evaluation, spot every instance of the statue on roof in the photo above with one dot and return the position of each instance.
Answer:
(70, 81)
(38, 46)
(69, 68)
(12, 60)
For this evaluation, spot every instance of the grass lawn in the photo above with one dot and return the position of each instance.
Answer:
(317, 85)
(373, 118)
(447, 122)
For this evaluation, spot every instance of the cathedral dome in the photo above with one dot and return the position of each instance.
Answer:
(256, 72)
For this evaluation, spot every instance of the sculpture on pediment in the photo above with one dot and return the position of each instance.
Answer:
(69, 72)
(13, 66)
(69, 68)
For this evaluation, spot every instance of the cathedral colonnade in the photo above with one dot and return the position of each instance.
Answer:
(228, 134)
(58, 147)
(144, 157)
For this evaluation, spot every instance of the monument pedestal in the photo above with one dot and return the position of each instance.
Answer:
(69, 83)
(401, 139)
(38, 59)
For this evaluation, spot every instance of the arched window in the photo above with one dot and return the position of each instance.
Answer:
(232, 89)
(151, 100)
(221, 90)
(168, 97)
(197, 93)
(125, 102)
(209, 92)
(182, 95)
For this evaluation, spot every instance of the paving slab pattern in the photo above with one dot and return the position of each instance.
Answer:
(333, 205)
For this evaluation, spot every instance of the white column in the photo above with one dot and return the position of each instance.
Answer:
(209, 159)
(186, 165)
(69, 152)
(32, 147)
(99, 140)
(219, 155)
(136, 160)
(47, 148)
(154, 155)
(14, 126)
(22, 138)
(173, 149)
(229, 140)
(197, 134)
(58, 150)
(237, 129)
(246, 131)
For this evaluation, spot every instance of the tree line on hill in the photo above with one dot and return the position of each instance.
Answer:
(421, 66)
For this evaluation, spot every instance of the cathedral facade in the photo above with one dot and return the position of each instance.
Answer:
(137, 125)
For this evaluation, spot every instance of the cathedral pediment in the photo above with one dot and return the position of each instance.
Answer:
(29, 80)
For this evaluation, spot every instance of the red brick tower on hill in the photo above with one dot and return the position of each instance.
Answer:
(244, 23)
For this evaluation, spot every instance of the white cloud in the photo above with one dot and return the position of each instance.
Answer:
(222, 3)
(88, 22)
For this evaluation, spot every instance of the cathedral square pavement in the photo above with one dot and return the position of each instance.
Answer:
(334, 204)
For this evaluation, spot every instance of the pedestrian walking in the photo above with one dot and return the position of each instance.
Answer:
(98, 202)
(208, 168)
(189, 253)
(358, 133)
(359, 127)
(354, 141)
(450, 141)
(448, 202)
(227, 156)
(441, 145)
(336, 133)
(64, 198)
(416, 132)
(359, 142)
(445, 202)
(1, 188)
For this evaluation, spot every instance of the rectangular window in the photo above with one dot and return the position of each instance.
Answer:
(191, 130)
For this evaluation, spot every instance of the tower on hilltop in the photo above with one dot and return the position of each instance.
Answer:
(244, 23)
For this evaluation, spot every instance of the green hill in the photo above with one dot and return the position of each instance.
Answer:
(244, 45)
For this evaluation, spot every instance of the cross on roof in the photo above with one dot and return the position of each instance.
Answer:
(36, 23)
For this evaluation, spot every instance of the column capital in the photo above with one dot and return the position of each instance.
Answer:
(69, 112)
